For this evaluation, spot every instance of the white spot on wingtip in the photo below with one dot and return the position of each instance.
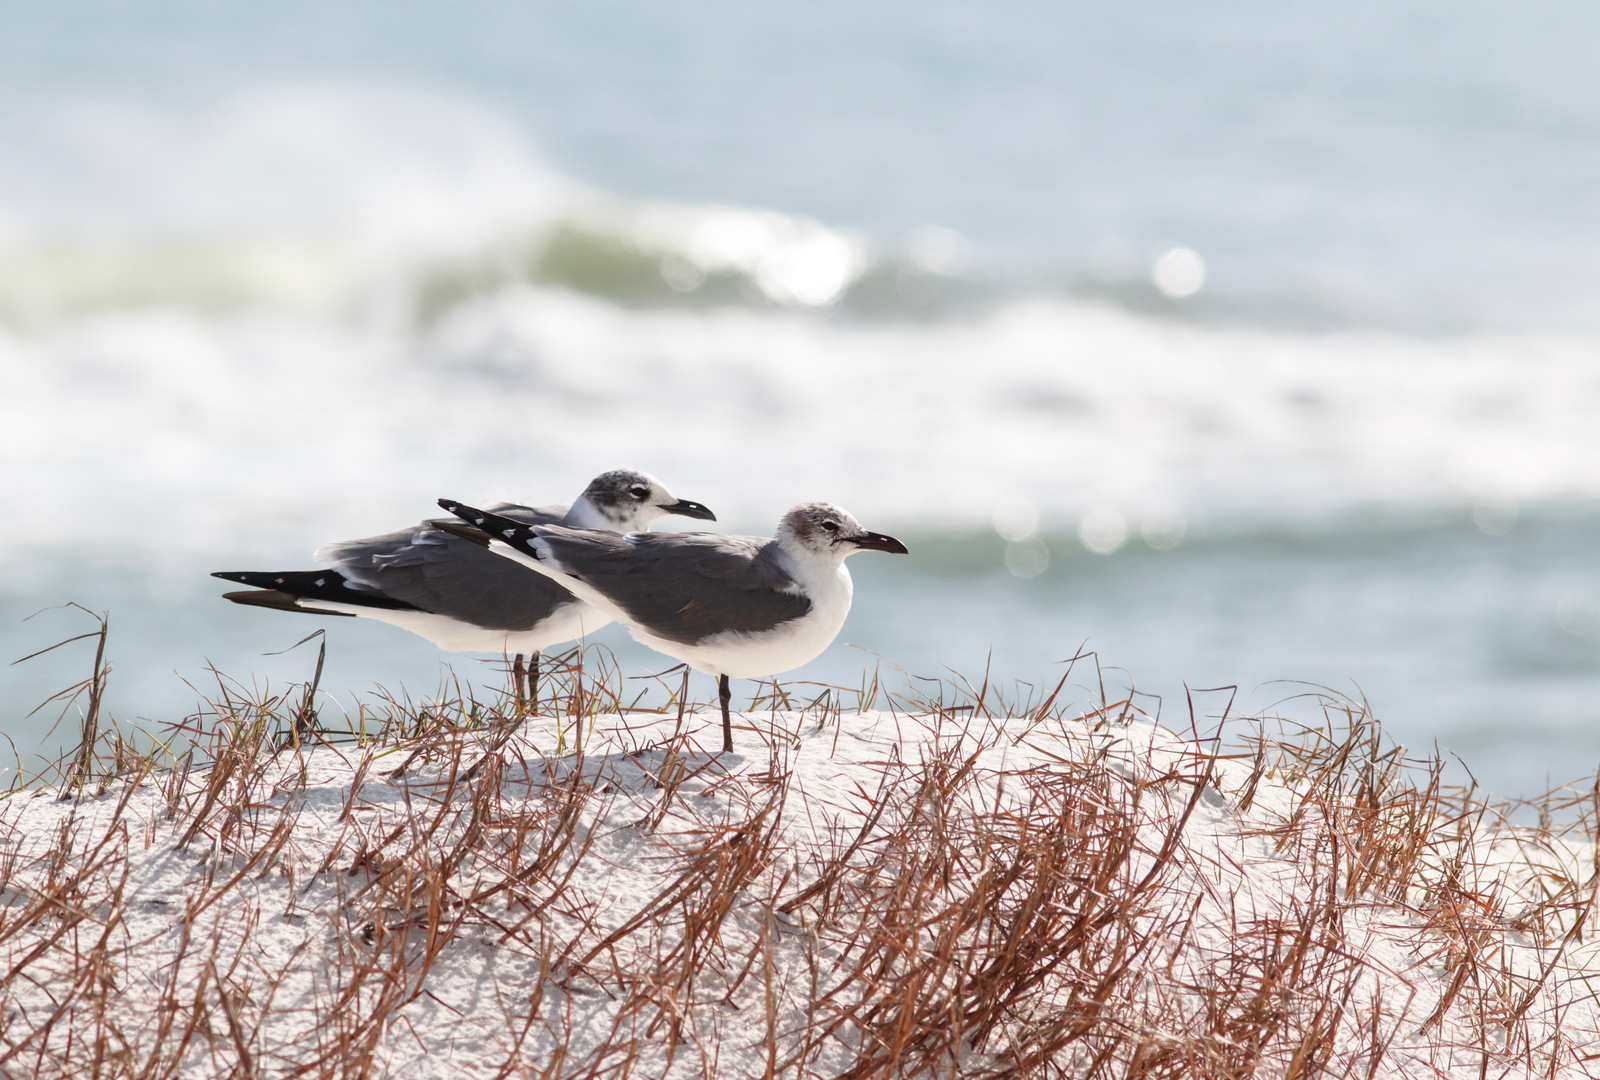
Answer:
(320, 582)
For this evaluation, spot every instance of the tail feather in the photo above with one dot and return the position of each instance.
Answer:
(293, 585)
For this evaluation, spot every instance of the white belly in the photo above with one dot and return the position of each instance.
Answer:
(568, 622)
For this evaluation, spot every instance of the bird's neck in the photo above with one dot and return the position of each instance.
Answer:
(586, 515)
(815, 572)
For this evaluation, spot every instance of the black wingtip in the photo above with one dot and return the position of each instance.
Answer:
(310, 585)
(470, 514)
(493, 525)
(260, 579)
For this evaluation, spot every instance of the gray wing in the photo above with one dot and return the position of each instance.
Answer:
(450, 576)
(683, 586)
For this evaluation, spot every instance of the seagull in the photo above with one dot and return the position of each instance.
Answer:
(730, 606)
(446, 586)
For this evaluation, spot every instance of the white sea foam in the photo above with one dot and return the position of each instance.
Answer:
(169, 418)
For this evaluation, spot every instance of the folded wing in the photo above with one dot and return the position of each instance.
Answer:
(684, 587)
(443, 573)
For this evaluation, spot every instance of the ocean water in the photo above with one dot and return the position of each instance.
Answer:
(1245, 345)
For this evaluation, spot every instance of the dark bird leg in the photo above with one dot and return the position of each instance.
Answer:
(516, 682)
(533, 682)
(724, 692)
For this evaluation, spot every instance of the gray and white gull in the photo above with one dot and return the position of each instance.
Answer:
(446, 586)
(729, 606)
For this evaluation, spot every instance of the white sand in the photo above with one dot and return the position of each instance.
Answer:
(271, 944)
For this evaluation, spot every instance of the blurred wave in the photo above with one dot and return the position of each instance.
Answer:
(334, 199)
(182, 425)
(329, 306)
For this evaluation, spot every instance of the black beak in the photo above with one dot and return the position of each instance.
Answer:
(878, 542)
(686, 508)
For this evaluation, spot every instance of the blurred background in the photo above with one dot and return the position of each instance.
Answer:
(1240, 342)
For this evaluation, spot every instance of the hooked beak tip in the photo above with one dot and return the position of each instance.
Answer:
(690, 509)
(879, 542)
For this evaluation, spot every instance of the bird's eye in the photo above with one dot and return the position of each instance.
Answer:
(638, 492)
(831, 526)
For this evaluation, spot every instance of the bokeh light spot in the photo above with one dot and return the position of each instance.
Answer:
(1103, 531)
(1015, 518)
(1162, 528)
(1027, 558)
(1179, 273)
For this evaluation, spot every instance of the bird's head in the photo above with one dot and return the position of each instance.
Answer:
(631, 501)
(832, 532)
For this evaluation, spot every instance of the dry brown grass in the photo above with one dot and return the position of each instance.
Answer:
(952, 885)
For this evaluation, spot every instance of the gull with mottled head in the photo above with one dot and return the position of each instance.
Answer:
(730, 606)
(446, 586)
